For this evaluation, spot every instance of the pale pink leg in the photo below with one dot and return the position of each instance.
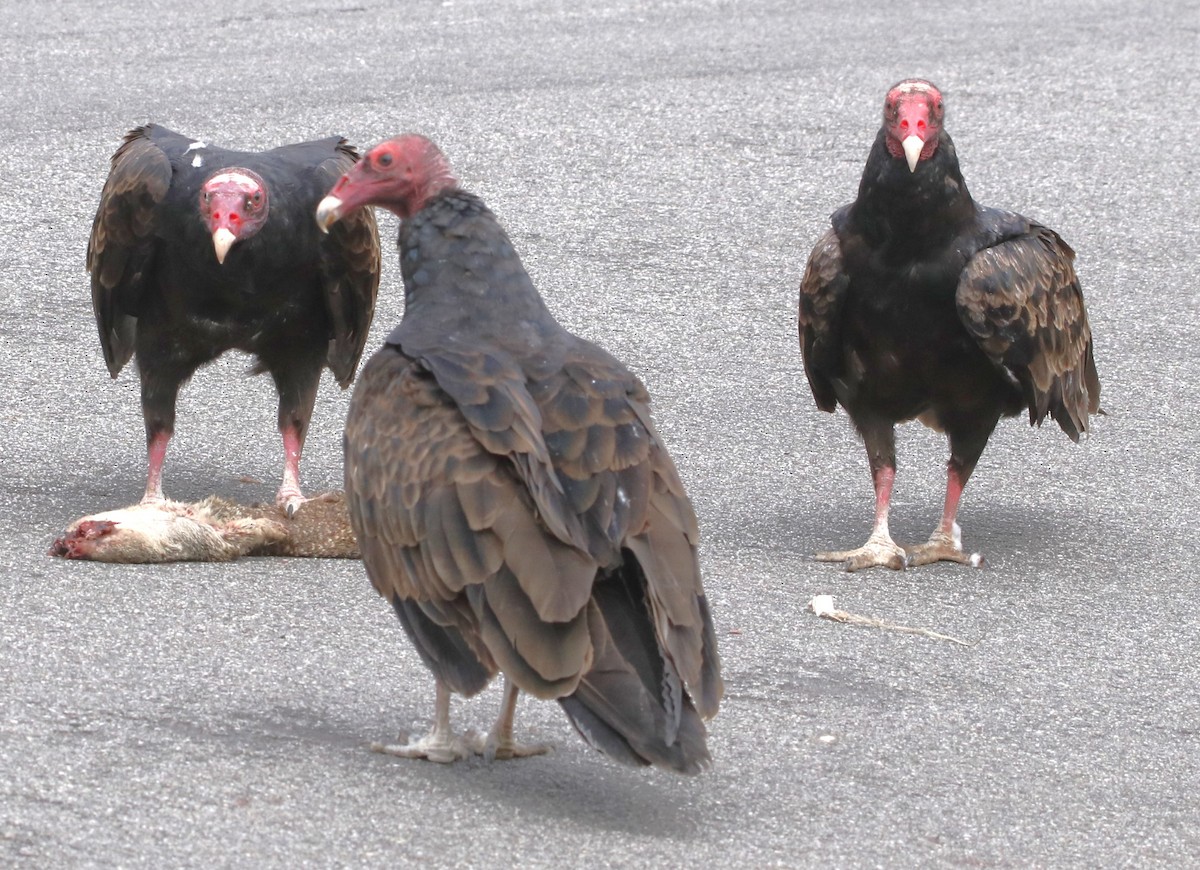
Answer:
(500, 743)
(441, 744)
(289, 496)
(879, 550)
(156, 454)
(945, 544)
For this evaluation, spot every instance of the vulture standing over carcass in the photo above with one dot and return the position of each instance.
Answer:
(511, 497)
(919, 303)
(196, 250)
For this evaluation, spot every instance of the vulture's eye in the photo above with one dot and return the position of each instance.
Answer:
(384, 159)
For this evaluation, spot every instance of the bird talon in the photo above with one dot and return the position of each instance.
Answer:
(509, 750)
(437, 747)
(877, 552)
(290, 504)
(942, 548)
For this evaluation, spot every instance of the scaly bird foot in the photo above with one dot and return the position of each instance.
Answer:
(942, 547)
(289, 501)
(880, 551)
(440, 747)
(446, 748)
(508, 749)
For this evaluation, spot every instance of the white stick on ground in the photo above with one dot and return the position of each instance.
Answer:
(822, 606)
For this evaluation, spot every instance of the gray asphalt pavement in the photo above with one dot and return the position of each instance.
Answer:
(664, 169)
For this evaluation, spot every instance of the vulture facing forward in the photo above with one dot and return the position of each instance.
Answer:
(919, 303)
(196, 250)
(511, 497)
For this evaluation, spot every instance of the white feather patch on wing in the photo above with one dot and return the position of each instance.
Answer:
(198, 160)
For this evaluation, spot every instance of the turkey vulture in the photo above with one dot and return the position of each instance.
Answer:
(511, 497)
(196, 250)
(919, 303)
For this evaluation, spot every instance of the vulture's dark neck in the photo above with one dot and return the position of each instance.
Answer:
(463, 278)
(917, 212)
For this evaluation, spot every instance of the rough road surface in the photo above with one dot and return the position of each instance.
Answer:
(664, 168)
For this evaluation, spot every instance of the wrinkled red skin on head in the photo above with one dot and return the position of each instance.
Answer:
(913, 108)
(235, 199)
(400, 174)
(81, 542)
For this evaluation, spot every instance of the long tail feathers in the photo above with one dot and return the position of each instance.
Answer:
(631, 705)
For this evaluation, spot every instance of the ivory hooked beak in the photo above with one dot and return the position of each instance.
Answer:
(328, 212)
(223, 240)
(912, 151)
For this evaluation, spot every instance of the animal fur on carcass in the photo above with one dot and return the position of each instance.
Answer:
(211, 530)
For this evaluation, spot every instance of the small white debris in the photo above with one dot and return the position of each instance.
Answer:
(822, 605)
(197, 161)
(827, 738)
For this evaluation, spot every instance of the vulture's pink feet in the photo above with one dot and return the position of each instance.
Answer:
(880, 551)
(505, 748)
(439, 745)
(289, 500)
(942, 547)
(500, 744)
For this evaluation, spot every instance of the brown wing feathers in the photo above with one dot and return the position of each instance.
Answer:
(544, 658)
(491, 394)
(121, 243)
(449, 519)
(350, 289)
(463, 522)
(821, 291)
(665, 550)
(1022, 302)
(630, 704)
(351, 253)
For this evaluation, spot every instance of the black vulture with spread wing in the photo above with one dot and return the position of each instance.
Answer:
(920, 304)
(197, 250)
